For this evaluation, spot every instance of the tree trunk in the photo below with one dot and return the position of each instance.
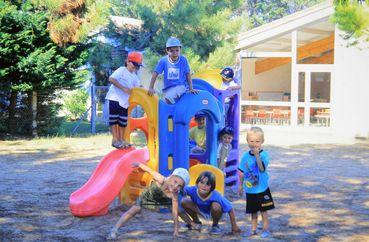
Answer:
(33, 108)
(12, 107)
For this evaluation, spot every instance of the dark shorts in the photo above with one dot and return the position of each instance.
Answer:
(259, 202)
(117, 114)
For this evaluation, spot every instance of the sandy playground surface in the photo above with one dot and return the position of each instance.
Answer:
(321, 194)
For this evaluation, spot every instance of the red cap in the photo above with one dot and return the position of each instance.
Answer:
(135, 57)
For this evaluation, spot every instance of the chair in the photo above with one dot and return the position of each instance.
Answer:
(250, 117)
(277, 116)
(262, 116)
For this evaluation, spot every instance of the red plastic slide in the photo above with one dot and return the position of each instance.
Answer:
(94, 197)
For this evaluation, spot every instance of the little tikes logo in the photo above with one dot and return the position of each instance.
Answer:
(205, 102)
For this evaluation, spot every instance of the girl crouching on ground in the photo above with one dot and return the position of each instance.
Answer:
(205, 201)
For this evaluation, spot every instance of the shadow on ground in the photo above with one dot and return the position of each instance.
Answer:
(321, 193)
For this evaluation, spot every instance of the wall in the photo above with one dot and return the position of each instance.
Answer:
(350, 97)
(277, 79)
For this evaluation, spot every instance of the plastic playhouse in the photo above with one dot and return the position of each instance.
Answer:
(167, 133)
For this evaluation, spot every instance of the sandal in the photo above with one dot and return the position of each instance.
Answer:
(117, 144)
(125, 145)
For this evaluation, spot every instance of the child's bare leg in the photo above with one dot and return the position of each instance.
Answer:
(121, 133)
(216, 213)
(184, 216)
(191, 209)
(115, 132)
(264, 216)
(254, 221)
(124, 218)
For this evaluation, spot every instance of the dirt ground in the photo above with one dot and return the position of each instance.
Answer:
(321, 194)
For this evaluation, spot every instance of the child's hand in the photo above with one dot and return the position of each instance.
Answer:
(151, 92)
(193, 91)
(236, 230)
(256, 150)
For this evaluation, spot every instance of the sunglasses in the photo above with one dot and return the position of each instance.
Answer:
(136, 65)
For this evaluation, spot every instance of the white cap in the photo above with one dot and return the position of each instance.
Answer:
(182, 173)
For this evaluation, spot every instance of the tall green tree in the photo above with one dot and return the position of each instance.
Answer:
(353, 18)
(202, 26)
(33, 68)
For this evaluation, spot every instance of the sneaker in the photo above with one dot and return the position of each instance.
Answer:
(265, 234)
(117, 144)
(197, 226)
(215, 230)
(249, 233)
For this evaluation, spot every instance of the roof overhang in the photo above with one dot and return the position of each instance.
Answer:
(285, 25)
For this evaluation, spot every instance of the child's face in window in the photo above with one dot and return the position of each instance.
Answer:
(175, 184)
(174, 52)
(227, 139)
(254, 140)
(203, 188)
(200, 122)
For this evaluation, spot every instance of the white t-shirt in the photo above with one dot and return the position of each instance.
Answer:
(223, 152)
(126, 79)
(225, 86)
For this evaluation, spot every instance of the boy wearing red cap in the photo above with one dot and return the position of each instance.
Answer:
(123, 80)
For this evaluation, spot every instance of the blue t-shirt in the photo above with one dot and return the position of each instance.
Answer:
(205, 204)
(174, 72)
(253, 167)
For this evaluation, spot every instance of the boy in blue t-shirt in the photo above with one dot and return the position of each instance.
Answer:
(205, 201)
(176, 73)
(255, 181)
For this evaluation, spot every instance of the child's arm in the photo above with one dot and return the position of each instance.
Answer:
(222, 165)
(189, 81)
(151, 90)
(175, 213)
(120, 86)
(240, 186)
(234, 87)
(234, 226)
(157, 176)
(258, 159)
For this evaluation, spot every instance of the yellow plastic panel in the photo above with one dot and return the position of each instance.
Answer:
(211, 76)
(196, 170)
(150, 104)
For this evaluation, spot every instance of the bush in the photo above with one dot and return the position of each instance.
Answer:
(75, 104)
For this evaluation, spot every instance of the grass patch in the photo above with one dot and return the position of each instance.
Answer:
(84, 128)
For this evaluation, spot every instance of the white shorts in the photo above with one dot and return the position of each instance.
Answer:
(172, 94)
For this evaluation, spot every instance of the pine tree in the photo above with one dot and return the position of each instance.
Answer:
(33, 68)
(71, 21)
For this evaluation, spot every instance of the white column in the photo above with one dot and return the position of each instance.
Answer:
(307, 98)
(294, 79)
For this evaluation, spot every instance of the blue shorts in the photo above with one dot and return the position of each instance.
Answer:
(117, 114)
